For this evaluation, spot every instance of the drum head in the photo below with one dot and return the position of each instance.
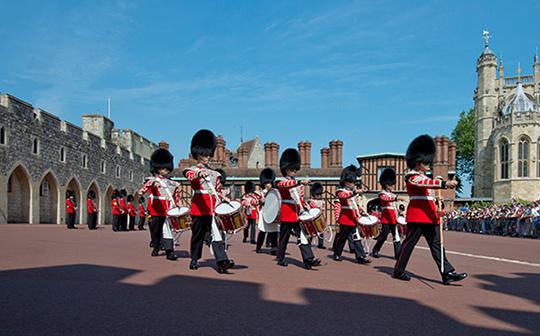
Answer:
(401, 220)
(312, 213)
(272, 205)
(368, 220)
(227, 208)
(177, 212)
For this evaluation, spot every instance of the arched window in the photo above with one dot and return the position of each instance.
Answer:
(503, 156)
(62, 154)
(35, 146)
(523, 157)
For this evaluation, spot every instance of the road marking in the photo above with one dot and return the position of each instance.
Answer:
(511, 261)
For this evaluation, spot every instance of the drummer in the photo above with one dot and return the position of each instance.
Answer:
(266, 179)
(161, 189)
(207, 193)
(347, 216)
(250, 203)
(388, 200)
(316, 202)
(292, 204)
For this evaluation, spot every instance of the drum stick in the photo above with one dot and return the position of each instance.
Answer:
(439, 201)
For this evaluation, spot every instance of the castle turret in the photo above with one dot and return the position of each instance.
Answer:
(485, 110)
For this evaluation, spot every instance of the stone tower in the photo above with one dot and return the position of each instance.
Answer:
(485, 105)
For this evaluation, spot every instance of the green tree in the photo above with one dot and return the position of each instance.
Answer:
(463, 135)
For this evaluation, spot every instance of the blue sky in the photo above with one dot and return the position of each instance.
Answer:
(371, 73)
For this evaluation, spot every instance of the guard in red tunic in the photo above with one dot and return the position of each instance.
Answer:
(164, 194)
(250, 203)
(117, 210)
(317, 202)
(123, 205)
(266, 180)
(347, 214)
(207, 193)
(388, 200)
(92, 211)
(71, 207)
(292, 204)
(422, 219)
(132, 213)
(141, 212)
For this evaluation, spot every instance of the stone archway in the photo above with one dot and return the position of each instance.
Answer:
(19, 195)
(106, 208)
(74, 186)
(48, 199)
(93, 187)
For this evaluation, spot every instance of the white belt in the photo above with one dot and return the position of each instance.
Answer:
(346, 207)
(424, 198)
(389, 208)
(287, 201)
(202, 192)
(159, 198)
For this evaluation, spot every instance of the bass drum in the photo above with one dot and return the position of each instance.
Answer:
(272, 207)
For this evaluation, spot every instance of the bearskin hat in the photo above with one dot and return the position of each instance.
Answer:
(203, 143)
(123, 193)
(388, 177)
(249, 187)
(349, 174)
(130, 198)
(222, 176)
(115, 194)
(70, 193)
(316, 189)
(91, 194)
(161, 158)
(420, 150)
(290, 159)
(267, 175)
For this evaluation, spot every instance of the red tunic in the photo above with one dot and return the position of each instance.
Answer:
(251, 202)
(388, 207)
(131, 210)
(142, 212)
(421, 207)
(116, 210)
(91, 205)
(70, 206)
(159, 199)
(203, 201)
(123, 205)
(347, 216)
(289, 206)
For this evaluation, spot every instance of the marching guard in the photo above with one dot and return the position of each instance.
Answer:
(164, 194)
(388, 199)
(347, 213)
(132, 212)
(92, 211)
(116, 210)
(267, 178)
(125, 210)
(71, 208)
(207, 193)
(292, 204)
(422, 218)
(142, 214)
(316, 202)
(250, 203)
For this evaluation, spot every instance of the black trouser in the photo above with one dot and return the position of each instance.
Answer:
(345, 233)
(250, 227)
(70, 220)
(92, 221)
(272, 239)
(156, 232)
(433, 239)
(123, 222)
(132, 223)
(386, 229)
(115, 222)
(142, 219)
(200, 226)
(284, 234)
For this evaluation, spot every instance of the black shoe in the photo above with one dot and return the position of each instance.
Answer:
(375, 254)
(363, 260)
(337, 258)
(193, 265)
(172, 256)
(253, 242)
(307, 265)
(273, 252)
(402, 276)
(223, 266)
(449, 277)
(282, 263)
(315, 262)
(155, 253)
(228, 264)
(258, 250)
(245, 240)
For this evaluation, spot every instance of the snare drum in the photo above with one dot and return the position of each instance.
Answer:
(229, 217)
(369, 226)
(272, 207)
(313, 222)
(179, 218)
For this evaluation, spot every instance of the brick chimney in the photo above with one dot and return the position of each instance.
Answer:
(219, 155)
(304, 147)
(325, 152)
(242, 157)
(452, 156)
(275, 154)
(339, 155)
(163, 145)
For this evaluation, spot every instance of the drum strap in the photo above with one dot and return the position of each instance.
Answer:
(171, 198)
(423, 198)
(288, 201)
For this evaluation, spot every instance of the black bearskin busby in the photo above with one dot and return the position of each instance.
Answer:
(222, 176)
(388, 177)
(267, 175)
(420, 150)
(115, 194)
(70, 193)
(203, 143)
(130, 198)
(249, 187)
(290, 159)
(349, 174)
(123, 193)
(161, 158)
(91, 194)
(316, 189)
